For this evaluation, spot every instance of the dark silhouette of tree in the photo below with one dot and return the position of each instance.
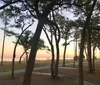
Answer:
(64, 27)
(50, 40)
(77, 35)
(14, 52)
(40, 10)
(86, 25)
(25, 42)
(5, 18)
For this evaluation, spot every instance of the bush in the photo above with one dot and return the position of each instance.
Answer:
(75, 58)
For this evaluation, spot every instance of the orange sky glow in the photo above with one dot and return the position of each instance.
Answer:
(41, 55)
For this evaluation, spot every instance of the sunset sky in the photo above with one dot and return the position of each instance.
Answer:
(41, 55)
(8, 52)
(9, 46)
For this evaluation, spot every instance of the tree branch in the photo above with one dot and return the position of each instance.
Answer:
(5, 5)
(75, 4)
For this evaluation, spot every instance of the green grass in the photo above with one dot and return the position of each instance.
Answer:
(93, 78)
(7, 65)
(38, 63)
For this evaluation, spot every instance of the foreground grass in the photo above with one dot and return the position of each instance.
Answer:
(90, 77)
(7, 65)
(45, 80)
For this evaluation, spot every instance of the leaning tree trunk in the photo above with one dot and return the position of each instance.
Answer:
(86, 25)
(21, 57)
(14, 52)
(32, 56)
(52, 52)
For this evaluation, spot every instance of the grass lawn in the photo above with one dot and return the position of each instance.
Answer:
(37, 80)
(40, 79)
(90, 77)
(7, 65)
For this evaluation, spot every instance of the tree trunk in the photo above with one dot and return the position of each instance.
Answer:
(52, 52)
(3, 46)
(26, 56)
(94, 58)
(32, 56)
(86, 53)
(14, 52)
(21, 57)
(57, 55)
(75, 54)
(89, 52)
(57, 61)
(74, 62)
(86, 25)
(76, 48)
(52, 63)
(64, 55)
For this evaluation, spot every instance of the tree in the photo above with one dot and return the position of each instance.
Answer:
(39, 9)
(5, 19)
(95, 40)
(65, 28)
(25, 42)
(14, 52)
(82, 43)
(77, 24)
(88, 14)
(50, 40)
(95, 43)
(54, 30)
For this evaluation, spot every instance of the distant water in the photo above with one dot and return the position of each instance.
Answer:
(37, 58)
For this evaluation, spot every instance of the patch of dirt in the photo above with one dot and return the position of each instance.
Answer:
(37, 80)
